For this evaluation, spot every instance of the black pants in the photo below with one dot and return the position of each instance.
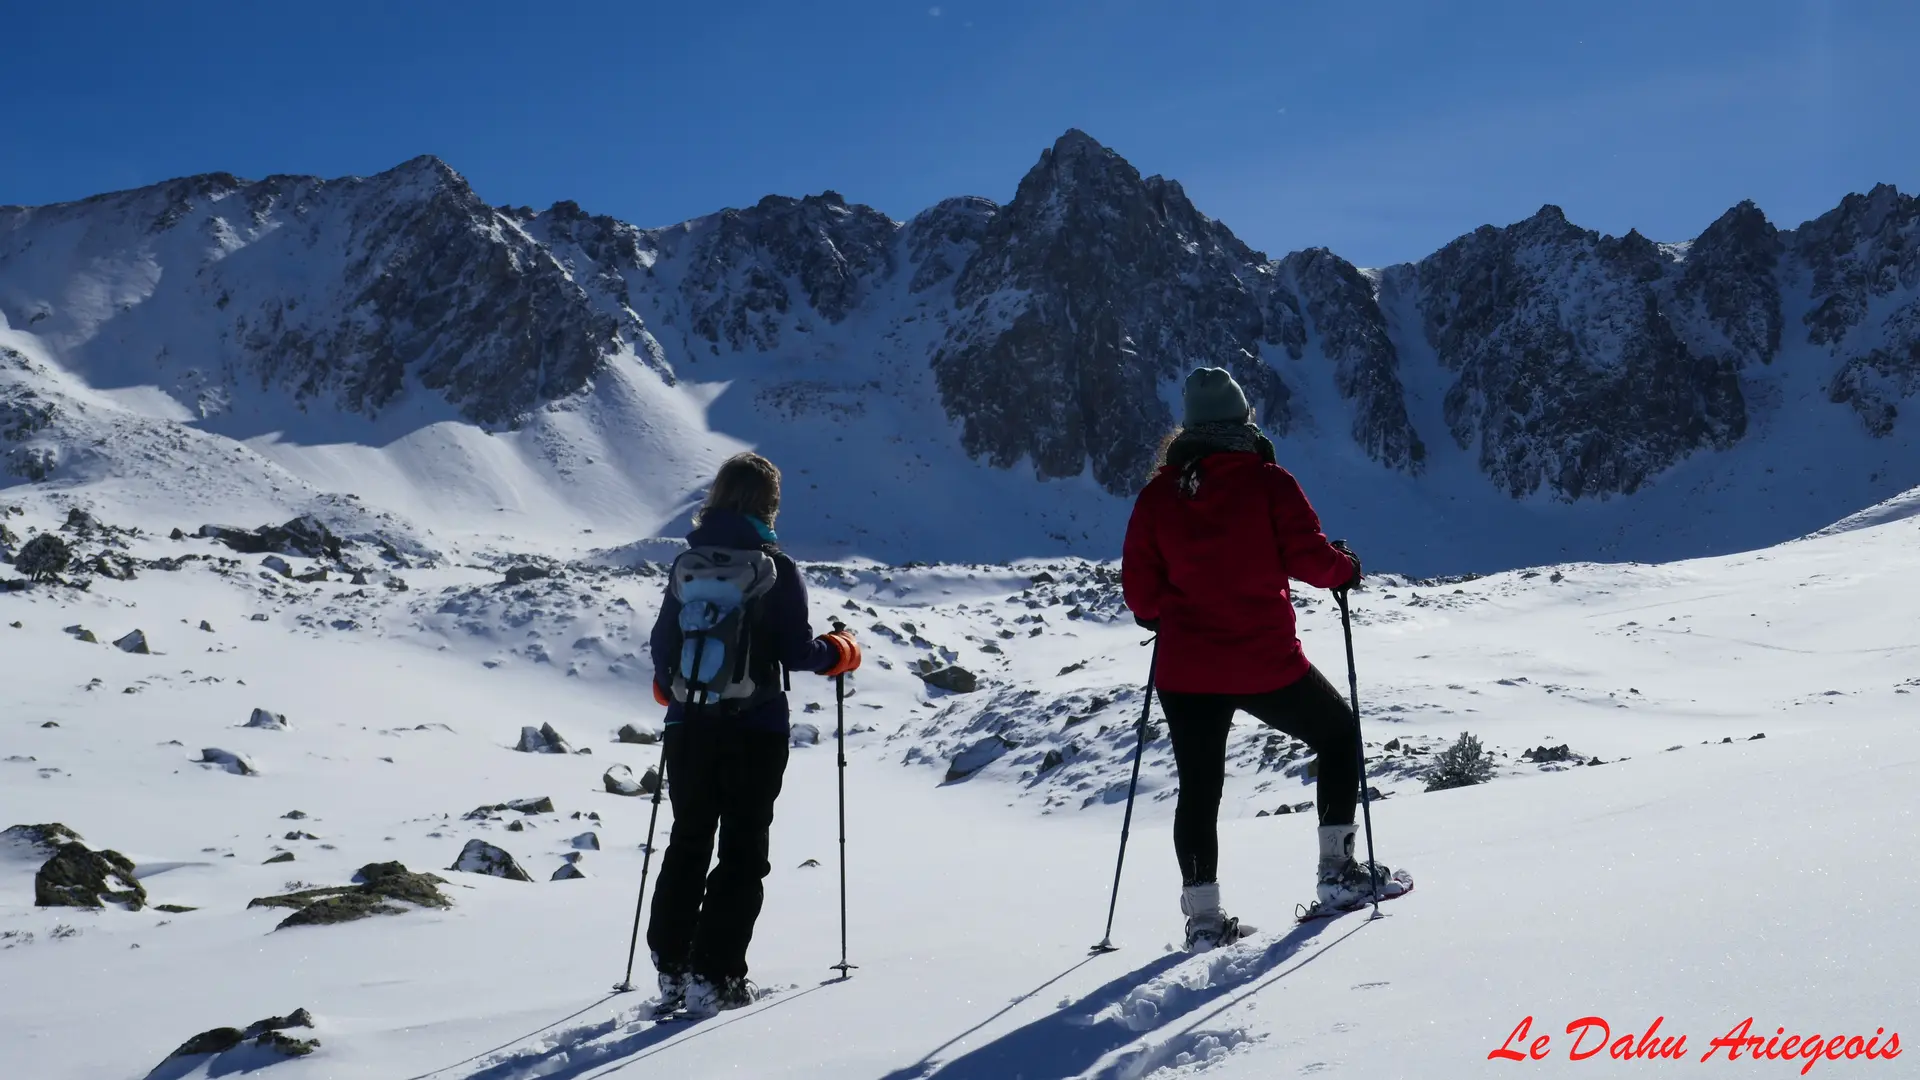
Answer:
(1310, 710)
(725, 778)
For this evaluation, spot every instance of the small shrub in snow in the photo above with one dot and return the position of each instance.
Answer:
(1463, 764)
(44, 557)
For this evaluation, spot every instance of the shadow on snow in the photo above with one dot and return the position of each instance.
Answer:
(1074, 1038)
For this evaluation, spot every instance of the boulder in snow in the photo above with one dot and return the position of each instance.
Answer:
(587, 841)
(631, 734)
(135, 642)
(542, 740)
(267, 721)
(480, 857)
(278, 565)
(804, 734)
(619, 780)
(520, 575)
(952, 678)
(378, 889)
(265, 1042)
(568, 872)
(541, 805)
(977, 757)
(238, 764)
(303, 535)
(36, 841)
(78, 876)
(81, 633)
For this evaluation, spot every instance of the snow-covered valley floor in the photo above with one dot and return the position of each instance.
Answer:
(1699, 874)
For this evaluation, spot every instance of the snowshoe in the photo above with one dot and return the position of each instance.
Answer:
(1332, 903)
(1206, 933)
(709, 997)
(1347, 881)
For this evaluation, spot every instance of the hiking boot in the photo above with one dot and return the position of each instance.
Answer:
(1205, 933)
(706, 997)
(1347, 882)
(1207, 926)
(673, 986)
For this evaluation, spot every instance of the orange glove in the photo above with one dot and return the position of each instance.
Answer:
(659, 695)
(846, 653)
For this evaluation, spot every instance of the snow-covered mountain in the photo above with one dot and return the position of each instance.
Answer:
(981, 382)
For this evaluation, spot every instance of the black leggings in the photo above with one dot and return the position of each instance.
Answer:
(722, 779)
(1310, 710)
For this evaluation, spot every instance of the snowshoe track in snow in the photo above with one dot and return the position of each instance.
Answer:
(617, 1040)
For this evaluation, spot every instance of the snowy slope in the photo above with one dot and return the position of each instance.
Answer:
(1699, 874)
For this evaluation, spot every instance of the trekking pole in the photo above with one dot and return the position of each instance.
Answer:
(1106, 944)
(653, 819)
(840, 740)
(646, 864)
(1366, 803)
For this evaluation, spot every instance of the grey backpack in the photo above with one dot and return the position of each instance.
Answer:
(718, 589)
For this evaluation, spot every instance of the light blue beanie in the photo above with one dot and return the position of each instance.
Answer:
(1211, 396)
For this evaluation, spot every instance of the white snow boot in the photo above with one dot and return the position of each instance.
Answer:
(1208, 927)
(1345, 881)
(673, 987)
(707, 997)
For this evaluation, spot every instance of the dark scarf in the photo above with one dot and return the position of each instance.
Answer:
(1196, 442)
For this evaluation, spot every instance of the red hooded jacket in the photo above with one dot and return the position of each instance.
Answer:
(1213, 570)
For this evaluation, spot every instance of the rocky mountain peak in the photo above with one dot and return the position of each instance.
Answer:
(1085, 295)
(743, 265)
(1729, 273)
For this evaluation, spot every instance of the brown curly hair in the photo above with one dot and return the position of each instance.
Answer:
(746, 484)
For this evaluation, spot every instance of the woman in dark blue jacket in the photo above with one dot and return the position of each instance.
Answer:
(724, 765)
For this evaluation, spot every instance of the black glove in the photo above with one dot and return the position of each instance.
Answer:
(1341, 547)
(1147, 624)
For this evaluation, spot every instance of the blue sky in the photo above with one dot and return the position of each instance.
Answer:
(1381, 130)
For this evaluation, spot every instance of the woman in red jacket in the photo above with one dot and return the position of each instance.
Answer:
(1213, 540)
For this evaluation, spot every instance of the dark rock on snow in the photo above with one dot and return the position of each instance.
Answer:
(631, 734)
(37, 841)
(542, 740)
(541, 805)
(238, 764)
(78, 876)
(267, 1035)
(378, 889)
(480, 857)
(952, 678)
(619, 781)
(302, 536)
(268, 721)
(977, 757)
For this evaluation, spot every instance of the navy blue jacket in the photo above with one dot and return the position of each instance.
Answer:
(783, 622)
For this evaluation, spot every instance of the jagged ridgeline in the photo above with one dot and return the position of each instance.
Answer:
(1049, 331)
